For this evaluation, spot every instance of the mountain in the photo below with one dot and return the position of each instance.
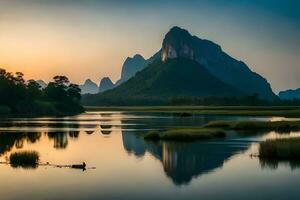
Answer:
(162, 81)
(134, 64)
(290, 94)
(105, 84)
(89, 87)
(131, 66)
(180, 43)
(42, 83)
(185, 67)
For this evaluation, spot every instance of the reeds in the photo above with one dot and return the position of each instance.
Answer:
(282, 149)
(24, 159)
(185, 134)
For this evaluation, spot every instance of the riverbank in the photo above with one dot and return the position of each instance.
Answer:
(276, 111)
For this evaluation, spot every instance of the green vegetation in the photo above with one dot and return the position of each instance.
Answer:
(217, 129)
(161, 82)
(18, 96)
(280, 111)
(281, 149)
(185, 134)
(25, 159)
(183, 114)
(4, 110)
(280, 126)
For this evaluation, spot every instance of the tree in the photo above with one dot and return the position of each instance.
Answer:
(56, 90)
(19, 80)
(34, 89)
(74, 92)
(61, 81)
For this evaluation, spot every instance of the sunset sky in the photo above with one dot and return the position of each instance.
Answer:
(91, 39)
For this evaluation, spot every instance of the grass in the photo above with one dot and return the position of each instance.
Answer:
(280, 126)
(280, 111)
(185, 134)
(25, 159)
(280, 149)
(217, 129)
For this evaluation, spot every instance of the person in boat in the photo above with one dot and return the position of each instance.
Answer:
(80, 166)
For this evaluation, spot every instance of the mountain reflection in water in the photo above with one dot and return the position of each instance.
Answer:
(184, 161)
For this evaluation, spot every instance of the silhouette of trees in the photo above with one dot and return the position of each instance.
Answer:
(27, 97)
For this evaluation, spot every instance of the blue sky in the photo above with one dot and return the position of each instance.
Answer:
(91, 39)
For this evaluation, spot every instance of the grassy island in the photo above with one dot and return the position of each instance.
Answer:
(185, 134)
(217, 129)
(280, 126)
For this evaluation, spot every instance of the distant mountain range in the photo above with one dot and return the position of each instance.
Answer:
(289, 94)
(105, 84)
(89, 87)
(131, 66)
(186, 66)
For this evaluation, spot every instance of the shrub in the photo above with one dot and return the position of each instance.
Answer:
(25, 159)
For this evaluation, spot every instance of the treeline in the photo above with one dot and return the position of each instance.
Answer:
(252, 100)
(20, 97)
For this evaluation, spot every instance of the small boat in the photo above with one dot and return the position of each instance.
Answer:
(79, 166)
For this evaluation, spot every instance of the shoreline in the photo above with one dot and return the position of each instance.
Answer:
(254, 111)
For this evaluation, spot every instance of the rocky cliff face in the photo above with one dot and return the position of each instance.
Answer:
(180, 43)
(89, 87)
(177, 43)
(105, 84)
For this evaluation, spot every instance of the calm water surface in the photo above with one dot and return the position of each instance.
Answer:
(127, 167)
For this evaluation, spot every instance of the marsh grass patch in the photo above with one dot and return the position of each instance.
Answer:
(24, 159)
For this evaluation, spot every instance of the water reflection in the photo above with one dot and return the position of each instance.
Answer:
(275, 163)
(24, 159)
(89, 132)
(133, 145)
(60, 139)
(10, 140)
(108, 132)
(181, 161)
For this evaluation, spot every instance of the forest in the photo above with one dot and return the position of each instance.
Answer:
(21, 97)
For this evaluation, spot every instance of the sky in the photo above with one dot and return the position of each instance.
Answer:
(91, 38)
